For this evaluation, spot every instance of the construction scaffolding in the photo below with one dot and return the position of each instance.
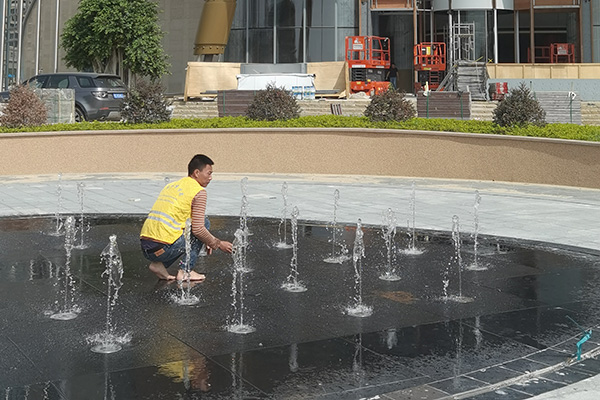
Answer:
(463, 40)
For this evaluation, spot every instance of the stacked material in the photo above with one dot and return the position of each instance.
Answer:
(561, 107)
(472, 77)
(455, 105)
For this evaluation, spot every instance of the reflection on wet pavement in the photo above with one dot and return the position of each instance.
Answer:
(417, 343)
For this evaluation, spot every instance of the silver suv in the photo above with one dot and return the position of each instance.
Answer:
(97, 96)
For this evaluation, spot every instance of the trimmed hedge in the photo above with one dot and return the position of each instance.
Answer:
(560, 131)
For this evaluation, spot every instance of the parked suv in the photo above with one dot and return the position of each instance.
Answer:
(97, 96)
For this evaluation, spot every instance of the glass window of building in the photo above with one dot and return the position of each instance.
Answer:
(267, 31)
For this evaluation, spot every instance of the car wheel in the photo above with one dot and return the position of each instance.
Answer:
(79, 115)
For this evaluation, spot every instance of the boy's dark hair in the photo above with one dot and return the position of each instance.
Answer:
(199, 161)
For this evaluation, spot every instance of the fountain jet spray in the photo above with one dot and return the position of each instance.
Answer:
(108, 341)
(83, 225)
(186, 298)
(67, 310)
(292, 284)
(388, 234)
(57, 214)
(244, 209)
(358, 309)
(341, 256)
(244, 226)
(236, 323)
(411, 248)
(476, 265)
(456, 259)
(282, 244)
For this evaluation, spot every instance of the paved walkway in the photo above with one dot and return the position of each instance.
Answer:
(562, 215)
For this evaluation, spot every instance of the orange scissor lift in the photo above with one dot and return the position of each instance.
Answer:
(430, 64)
(368, 59)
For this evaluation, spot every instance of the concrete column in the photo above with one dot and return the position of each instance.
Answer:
(2, 47)
(20, 41)
(56, 44)
(38, 35)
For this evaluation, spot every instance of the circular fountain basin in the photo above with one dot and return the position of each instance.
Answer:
(401, 338)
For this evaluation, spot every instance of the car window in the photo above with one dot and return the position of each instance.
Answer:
(85, 81)
(37, 82)
(109, 82)
(58, 82)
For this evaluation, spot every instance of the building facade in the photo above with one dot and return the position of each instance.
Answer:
(299, 31)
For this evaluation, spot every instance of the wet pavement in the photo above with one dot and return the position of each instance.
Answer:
(515, 340)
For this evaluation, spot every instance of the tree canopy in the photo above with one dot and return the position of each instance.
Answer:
(116, 36)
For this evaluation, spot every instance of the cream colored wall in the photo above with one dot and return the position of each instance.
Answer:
(331, 75)
(309, 151)
(543, 71)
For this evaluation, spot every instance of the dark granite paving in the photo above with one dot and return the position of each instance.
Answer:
(306, 346)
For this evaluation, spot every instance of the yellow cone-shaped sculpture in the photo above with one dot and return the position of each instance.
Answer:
(214, 27)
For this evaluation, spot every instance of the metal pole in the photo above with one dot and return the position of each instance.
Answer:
(56, 36)
(275, 32)
(304, 31)
(19, 41)
(335, 29)
(495, 36)
(415, 41)
(450, 40)
(531, 32)
(369, 28)
(37, 40)
(592, 31)
(247, 31)
(580, 39)
(431, 27)
(517, 36)
(2, 47)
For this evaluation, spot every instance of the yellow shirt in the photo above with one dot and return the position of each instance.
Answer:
(166, 221)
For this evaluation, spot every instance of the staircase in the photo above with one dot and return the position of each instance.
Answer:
(209, 109)
(483, 110)
(585, 112)
(352, 107)
(195, 109)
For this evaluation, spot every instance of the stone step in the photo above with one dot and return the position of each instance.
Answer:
(480, 110)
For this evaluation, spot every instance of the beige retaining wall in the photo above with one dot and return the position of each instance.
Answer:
(308, 151)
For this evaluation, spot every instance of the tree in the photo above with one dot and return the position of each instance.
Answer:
(519, 108)
(273, 103)
(390, 105)
(146, 104)
(116, 36)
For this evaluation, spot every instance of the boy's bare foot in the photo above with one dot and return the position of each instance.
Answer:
(194, 276)
(159, 270)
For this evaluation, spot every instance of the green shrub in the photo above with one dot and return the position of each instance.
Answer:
(519, 108)
(273, 104)
(145, 104)
(560, 131)
(390, 105)
(24, 109)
